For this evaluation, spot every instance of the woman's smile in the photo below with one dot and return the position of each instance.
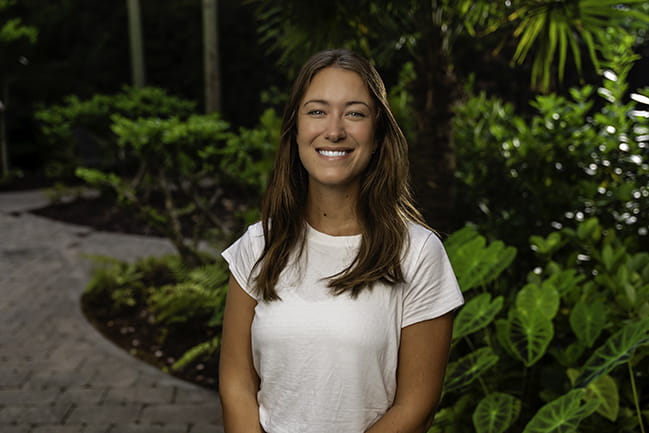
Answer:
(334, 154)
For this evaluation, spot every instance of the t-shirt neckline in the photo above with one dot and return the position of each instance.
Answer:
(316, 236)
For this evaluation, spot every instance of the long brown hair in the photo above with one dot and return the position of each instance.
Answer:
(384, 205)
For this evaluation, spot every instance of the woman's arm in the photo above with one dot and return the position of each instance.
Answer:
(238, 380)
(423, 355)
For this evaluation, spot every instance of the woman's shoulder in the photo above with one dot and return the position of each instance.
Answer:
(423, 240)
(255, 230)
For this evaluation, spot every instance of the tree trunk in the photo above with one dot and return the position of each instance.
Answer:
(135, 37)
(211, 56)
(432, 158)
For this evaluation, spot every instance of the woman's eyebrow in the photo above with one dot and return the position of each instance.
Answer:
(323, 102)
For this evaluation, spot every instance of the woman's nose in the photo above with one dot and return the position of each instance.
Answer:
(335, 130)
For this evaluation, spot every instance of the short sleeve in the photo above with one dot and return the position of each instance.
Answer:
(242, 255)
(431, 288)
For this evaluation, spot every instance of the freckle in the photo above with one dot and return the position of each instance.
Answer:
(324, 214)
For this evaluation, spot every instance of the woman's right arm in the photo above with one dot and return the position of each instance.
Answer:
(238, 380)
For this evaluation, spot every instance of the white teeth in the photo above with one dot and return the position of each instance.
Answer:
(332, 153)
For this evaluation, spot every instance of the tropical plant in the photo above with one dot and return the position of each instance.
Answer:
(574, 157)
(557, 342)
(433, 35)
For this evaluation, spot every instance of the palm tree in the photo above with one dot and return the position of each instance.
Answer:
(135, 37)
(430, 33)
(211, 56)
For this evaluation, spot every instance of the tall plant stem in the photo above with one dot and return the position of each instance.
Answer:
(635, 397)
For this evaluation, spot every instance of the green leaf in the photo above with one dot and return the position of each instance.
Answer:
(496, 413)
(604, 390)
(476, 314)
(618, 349)
(533, 298)
(589, 229)
(465, 370)
(562, 415)
(587, 321)
(475, 263)
(529, 335)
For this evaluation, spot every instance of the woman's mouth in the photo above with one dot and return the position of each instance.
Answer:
(330, 153)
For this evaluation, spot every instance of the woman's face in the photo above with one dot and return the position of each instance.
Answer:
(335, 128)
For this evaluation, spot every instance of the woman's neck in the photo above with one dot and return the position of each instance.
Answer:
(333, 211)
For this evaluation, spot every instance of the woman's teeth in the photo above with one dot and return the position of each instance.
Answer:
(332, 153)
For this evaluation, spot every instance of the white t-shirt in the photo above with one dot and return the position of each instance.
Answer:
(328, 363)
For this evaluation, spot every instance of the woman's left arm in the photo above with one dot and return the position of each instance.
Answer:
(423, 355)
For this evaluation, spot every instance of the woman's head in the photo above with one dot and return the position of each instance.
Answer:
(389, 163)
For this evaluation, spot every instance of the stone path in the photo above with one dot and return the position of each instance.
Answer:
(59, 375)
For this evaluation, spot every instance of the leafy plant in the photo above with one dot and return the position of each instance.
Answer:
(182, 302)
(557, 342)
(574, 157)
(78, 132)
(186, 170)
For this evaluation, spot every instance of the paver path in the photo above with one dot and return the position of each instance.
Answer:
(57, 373)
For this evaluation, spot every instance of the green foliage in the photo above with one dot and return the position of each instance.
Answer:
(14, 29)
(496, 413)
(186, 170)
(480, 264)
(562, 415)
(201, 294)
(548, 28)
(177, 297)
(79, 131)
(574, 157)
(557, 342)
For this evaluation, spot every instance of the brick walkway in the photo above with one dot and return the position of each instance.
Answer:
(59, 375)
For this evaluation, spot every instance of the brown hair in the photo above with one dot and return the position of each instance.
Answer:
(384, 205)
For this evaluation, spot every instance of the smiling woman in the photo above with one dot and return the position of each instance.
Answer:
(339, 311)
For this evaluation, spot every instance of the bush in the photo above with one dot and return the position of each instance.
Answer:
(78, 132)
(186, 169)
(569, 346)
(580, 156)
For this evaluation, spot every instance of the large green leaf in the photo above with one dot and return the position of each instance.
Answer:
(562, 415)
(544, 300)
(468, 368)
(605, 390)
(618, 349)
(529, 335)
(587, 321)
(474, 262)
(496, 413)
(476, 314)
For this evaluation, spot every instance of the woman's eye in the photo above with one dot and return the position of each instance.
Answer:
(315, 113)
(356, 114)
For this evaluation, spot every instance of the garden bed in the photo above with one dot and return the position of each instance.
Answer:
(135, 329)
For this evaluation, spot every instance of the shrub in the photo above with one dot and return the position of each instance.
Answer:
(186, 169)
(577, 157)
(78, 132)
(558, 343)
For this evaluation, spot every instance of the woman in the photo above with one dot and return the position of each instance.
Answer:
(339, 311)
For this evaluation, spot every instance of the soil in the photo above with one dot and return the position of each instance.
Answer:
(134, 331)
